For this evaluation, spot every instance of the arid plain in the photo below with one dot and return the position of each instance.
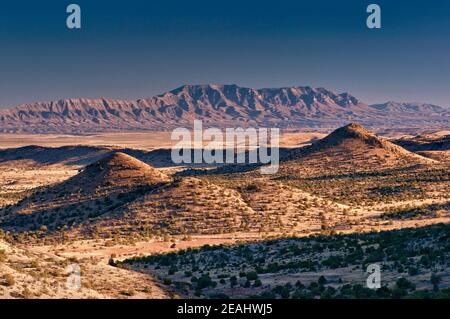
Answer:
(106, 201)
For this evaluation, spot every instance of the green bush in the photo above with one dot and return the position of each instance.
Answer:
(252, 275)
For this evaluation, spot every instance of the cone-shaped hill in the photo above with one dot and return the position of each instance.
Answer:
(98, 189)
(115, 172)
(353, 146)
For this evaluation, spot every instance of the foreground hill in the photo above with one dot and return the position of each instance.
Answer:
(120, 195)
(98, 189)
(216, 105)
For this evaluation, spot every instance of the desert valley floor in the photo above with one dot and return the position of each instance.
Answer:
(140, 227)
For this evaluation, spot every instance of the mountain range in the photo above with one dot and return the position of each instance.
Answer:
(221, 106)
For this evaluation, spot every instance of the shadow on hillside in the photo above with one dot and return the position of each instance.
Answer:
(424, 211)
(70, 155)
(85, 155)
(375, 173)
(67, 214)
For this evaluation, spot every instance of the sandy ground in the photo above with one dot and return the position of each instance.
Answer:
(100, 248)
(150, 140)
(40, 272)
(145, 140)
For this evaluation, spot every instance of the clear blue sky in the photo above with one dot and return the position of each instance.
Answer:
(137, 48)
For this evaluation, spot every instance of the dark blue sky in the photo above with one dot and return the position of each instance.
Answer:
(132, 49)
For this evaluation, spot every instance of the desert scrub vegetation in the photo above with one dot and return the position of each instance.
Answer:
(3, 256)
(411, 212)
(316, 266)
(8, 280)
(372, 187)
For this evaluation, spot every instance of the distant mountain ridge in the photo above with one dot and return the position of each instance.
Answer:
(217, 105)
(409, 107)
